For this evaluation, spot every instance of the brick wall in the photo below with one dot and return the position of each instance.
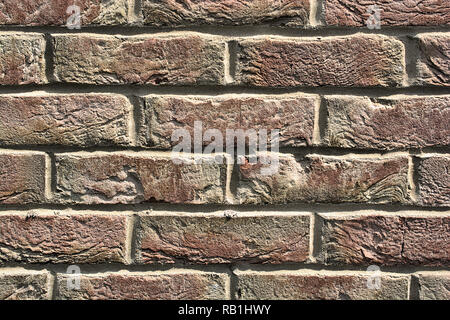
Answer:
(358, 207)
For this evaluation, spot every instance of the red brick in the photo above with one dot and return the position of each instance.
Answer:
(176, 60)
(355, 61)
(165, 114)
(93, 178)
(146, 286)
(351, 13)
(434, 285)
(62, 238)
(434, 180)
(74, 120)
(228, 12)
(386, 240)
(324, 179)
(388, 123)
(22, 59)
(315, 285)
(22, 177)
(21, 284)
(53, 12)
(433, 65)
(217, 238)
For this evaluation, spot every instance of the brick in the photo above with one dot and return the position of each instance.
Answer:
(387, 123)
(433, 65)
(176, 60)
(146, 286)
(386, 240)
(69, 120)
(53, 12)
(324, 179)
(434, 285)
(167, 13)
(20, 284)
(165, 114)
(350, 13)
(433, 180)
(94, 178)
(62, 238)
(217, 238)
(354, 61)
(319, 285)
(22, 177)
(22, 59)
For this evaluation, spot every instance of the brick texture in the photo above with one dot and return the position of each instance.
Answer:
(433, 65)
(357, 61)
(23, 284)
(22, 59)
(230, 12)
(434, 285)
(54, 12)
(434, 180)
(131, 286)
(220, 239)
(386, 240)
(387, 124)
(318, 286)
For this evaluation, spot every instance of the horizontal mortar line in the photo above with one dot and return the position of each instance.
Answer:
(149, 207)
(92, 268)
(217, 90)
(233, 31)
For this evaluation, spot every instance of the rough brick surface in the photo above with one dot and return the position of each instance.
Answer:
(229, 12)
(146, 286)
(351, 13)
(400, 123)
(22, 177)
(434, 180)
(22, 59)
(433, 65)
(220, 239)
(57, 238)
(74, 120)
(324, 179)
(356, 61)
(54, 12)
(318, 286)
(18, 284)
(434, 285)
(138, 177)
(165, 114)
(386, 240)
(177, 60)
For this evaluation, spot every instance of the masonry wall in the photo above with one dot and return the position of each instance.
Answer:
(87, 178)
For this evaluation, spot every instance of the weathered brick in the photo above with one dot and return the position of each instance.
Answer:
(351, 13)
(54, 12)
(62, 238)
(21, 284)
(165, 114)
(217, 238)
(169, 13)
(388, 123)
(119, 177)
(22, 59)
(22, 177)
(433, 65)
(74, 120)
(315, 285)
(355, 61)
(434, 285)
(434, 180)
(324, 179)
(176, 60)
(386, 240)
(147, 286)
